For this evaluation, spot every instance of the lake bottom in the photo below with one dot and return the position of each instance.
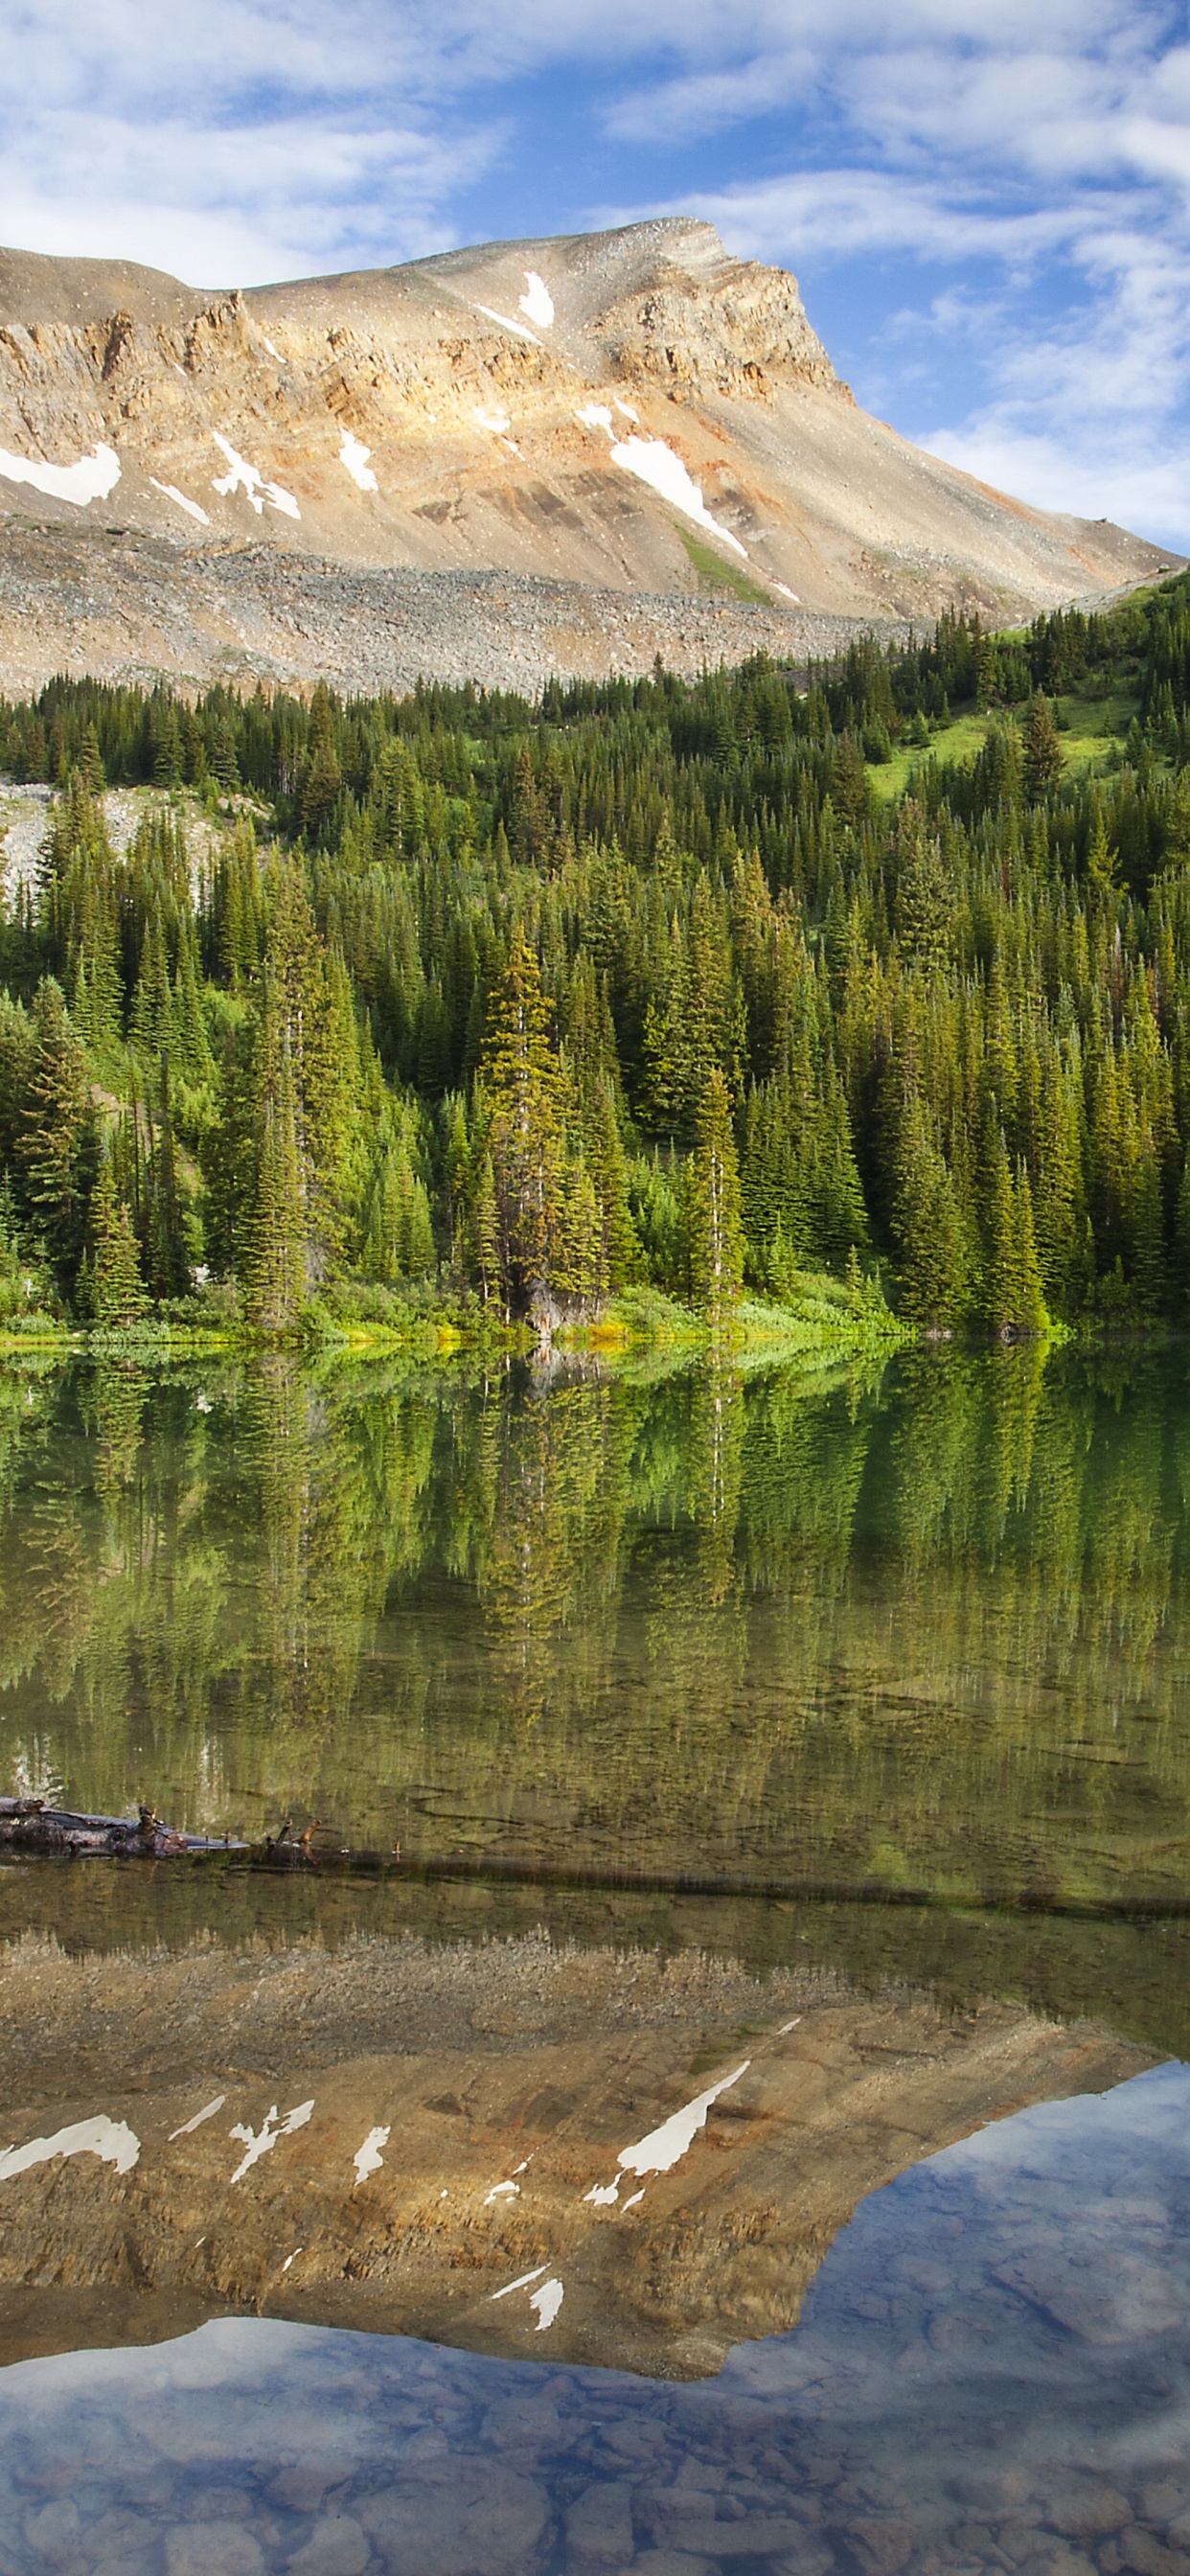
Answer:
(992, 2371)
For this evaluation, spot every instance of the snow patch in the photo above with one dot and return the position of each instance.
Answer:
(633, 2201)
(259, 2143)
(241, 476)
(292, 2258)
(111, 2140)
(547, 2301)
(521, 2283)
(537, 303)
(209, 2108)
(496, 421)
(626, 408)
(506, 323)
(787, 2025)
(275, 353)
(503, 2191)
(788, 594)
(603, 2194)
(595, 416)
(663, 2147)
(354, 455)
(90, 480)
(194, 508)
(654, 463)
(368, 2159)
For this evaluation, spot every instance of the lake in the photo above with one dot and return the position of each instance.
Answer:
(851, 1708)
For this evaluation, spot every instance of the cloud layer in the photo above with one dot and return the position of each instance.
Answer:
(990, 210)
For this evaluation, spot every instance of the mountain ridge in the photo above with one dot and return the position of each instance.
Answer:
(634, 411)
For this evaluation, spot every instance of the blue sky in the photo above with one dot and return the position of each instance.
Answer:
(987, 207)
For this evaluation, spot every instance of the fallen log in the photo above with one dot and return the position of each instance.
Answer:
(284, 1850)
(28, 1825)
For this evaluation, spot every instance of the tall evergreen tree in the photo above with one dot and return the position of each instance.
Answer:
(715, 1233)
(1042, 757)
(117, 1294)
(524, 1095)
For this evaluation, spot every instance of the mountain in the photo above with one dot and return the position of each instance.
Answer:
(530, 457)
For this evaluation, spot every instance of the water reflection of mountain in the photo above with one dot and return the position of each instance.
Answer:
(926, 1632)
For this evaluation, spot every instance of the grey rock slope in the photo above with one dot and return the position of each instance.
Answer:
(529, 457)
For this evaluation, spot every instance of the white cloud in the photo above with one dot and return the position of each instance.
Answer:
(246, 144)
(1042, 150)
(1045, 154)
(1137, 490)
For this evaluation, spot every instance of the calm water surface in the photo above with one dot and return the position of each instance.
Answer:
(889, 1670)
(923, 1633)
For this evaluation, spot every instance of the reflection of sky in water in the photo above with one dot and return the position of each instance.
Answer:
(993, 2371)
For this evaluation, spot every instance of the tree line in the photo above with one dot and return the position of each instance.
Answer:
(649, 983)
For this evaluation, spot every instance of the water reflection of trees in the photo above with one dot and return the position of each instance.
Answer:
(930, 1631)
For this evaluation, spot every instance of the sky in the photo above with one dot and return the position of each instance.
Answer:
(988, 208)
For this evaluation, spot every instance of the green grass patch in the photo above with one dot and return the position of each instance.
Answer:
(1090, 731)
(957, 742)
(714, 574)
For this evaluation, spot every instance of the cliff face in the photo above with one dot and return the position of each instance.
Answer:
(632, 411)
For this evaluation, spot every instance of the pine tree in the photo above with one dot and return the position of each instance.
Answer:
(523, 1090)
(153, 1007)
(714, 1230)
(620, 1249)
(1000, 1274)
(485, 1233)
(187, 1014)
(1030, 1314)
(1150, 1266)
(117, 1294)
(928, 1227)
(56, 1148)
(91, 762)
(167, 1264)
(923, 898)
(579, 1269)
(322, 778)
(1042, 751)
(1103, 863)
(274, 1261)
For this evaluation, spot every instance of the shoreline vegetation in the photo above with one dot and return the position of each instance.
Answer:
(825, 1325)
(781, 1012)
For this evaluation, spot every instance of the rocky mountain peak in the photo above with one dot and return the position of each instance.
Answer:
(634, 411)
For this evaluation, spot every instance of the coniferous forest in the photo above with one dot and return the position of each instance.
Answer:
(880, 970)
